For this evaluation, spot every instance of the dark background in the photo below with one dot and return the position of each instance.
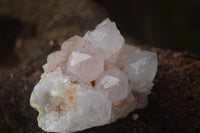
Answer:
(171, 24)
(167, 24)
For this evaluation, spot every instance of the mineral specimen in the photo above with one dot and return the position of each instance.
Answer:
(93, 81)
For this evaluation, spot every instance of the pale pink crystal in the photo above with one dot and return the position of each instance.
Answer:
(93, 81)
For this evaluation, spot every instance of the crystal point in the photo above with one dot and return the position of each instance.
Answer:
(106, 36)
(111, 83)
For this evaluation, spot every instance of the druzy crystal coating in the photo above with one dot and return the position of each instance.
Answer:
(92, 81)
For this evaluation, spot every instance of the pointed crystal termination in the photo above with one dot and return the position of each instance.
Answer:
(106, 36)
(93, 81)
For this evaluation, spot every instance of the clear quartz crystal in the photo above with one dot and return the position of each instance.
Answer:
(106, 36)
(141, 68)
(111, 83)
(93, 81)
(85, 64)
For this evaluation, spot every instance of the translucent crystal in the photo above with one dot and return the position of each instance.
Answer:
(141, 68)
(58, 58)
(93, 108)
(106, 36)
(111, 83)
(93, 81)
(85, 64)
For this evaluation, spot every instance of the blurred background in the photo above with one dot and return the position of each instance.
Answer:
(26, 26)
(170, 24)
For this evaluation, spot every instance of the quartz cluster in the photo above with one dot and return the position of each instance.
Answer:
(92, 81)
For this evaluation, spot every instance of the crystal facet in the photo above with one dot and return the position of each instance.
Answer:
(106, 36)
(93, 81)
(111, 83)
